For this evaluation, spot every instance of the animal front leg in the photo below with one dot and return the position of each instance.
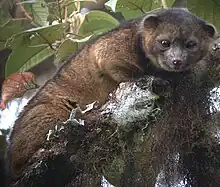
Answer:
(161, 87)
(122, 71)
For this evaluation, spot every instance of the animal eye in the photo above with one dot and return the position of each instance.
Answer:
(191, 44)
(165, 43)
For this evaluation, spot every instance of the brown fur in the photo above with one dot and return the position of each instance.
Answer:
(90, 75)
(209, 66)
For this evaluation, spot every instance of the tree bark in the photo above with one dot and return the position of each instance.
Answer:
(134, 137)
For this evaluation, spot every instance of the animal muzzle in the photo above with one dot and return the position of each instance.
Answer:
(179, 64)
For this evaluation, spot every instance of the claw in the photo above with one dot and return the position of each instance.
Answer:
(72, 117)
(49, 134)
(53, 132)
(89, 107)
(216, 47)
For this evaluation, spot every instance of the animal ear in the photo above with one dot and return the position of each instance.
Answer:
(151, 21)
(210, 29)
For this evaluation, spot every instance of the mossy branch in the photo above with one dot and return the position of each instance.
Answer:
(133, 136)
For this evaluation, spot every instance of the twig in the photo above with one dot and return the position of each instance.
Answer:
(66, 14)
(77, 4)
(59, 10)
(164, 3)
(46, 41)
(27, 15)
(116, 15)
(74, 34)
(17, 19)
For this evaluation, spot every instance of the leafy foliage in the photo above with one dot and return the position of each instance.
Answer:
(208, 10)
(32, 44)
(8, 29)
(58, 27)
(134, 8)
(98, 22)
(64, 50)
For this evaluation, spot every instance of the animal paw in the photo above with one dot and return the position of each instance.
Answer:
(54, 132)
(161, 87)
(72, 117)
(73, 113)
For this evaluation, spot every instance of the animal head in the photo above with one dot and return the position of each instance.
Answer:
(175, 39)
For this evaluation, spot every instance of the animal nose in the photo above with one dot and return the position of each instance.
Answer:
(177, 62)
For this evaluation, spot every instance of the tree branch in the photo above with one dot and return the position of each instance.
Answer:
(27, 15)
(135, 136)
(164, 3)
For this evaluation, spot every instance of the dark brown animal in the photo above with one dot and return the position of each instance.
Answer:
(163, 43)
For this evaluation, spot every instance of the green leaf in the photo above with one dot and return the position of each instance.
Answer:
(31, 45)
(36, 59)
(65, 49)
(8, 29)
(54, 9)
(19, 57)
(37, 36)
(40, 12)
(82, 40)
(2, 45)
(97, 22)
(207, 10)
(3, 16)
(27, 2)
(134, 8)
(68, 47)
(111, 4)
